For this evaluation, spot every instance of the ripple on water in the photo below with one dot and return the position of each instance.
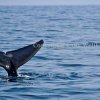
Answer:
(68, 71)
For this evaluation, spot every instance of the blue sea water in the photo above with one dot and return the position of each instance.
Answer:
(68, 65)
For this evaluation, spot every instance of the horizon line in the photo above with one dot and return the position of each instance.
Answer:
(49, 4)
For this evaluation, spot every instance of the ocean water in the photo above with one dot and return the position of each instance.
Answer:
(68, 65)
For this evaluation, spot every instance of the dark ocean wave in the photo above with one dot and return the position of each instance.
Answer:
(72, 65)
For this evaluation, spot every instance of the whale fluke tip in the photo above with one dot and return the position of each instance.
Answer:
(40, 42)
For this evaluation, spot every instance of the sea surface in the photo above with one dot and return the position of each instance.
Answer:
(68, 65)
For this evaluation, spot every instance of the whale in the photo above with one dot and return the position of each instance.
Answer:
(12, 60)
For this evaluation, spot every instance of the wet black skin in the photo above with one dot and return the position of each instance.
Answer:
(12, 60)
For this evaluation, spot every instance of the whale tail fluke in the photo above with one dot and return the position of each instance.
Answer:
(22, 55)
(18, 57)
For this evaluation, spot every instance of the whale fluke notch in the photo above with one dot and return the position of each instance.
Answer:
(12, 60)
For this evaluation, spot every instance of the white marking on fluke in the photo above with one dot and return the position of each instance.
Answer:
(7, 66)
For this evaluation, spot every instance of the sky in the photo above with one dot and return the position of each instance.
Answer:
(49, 2)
